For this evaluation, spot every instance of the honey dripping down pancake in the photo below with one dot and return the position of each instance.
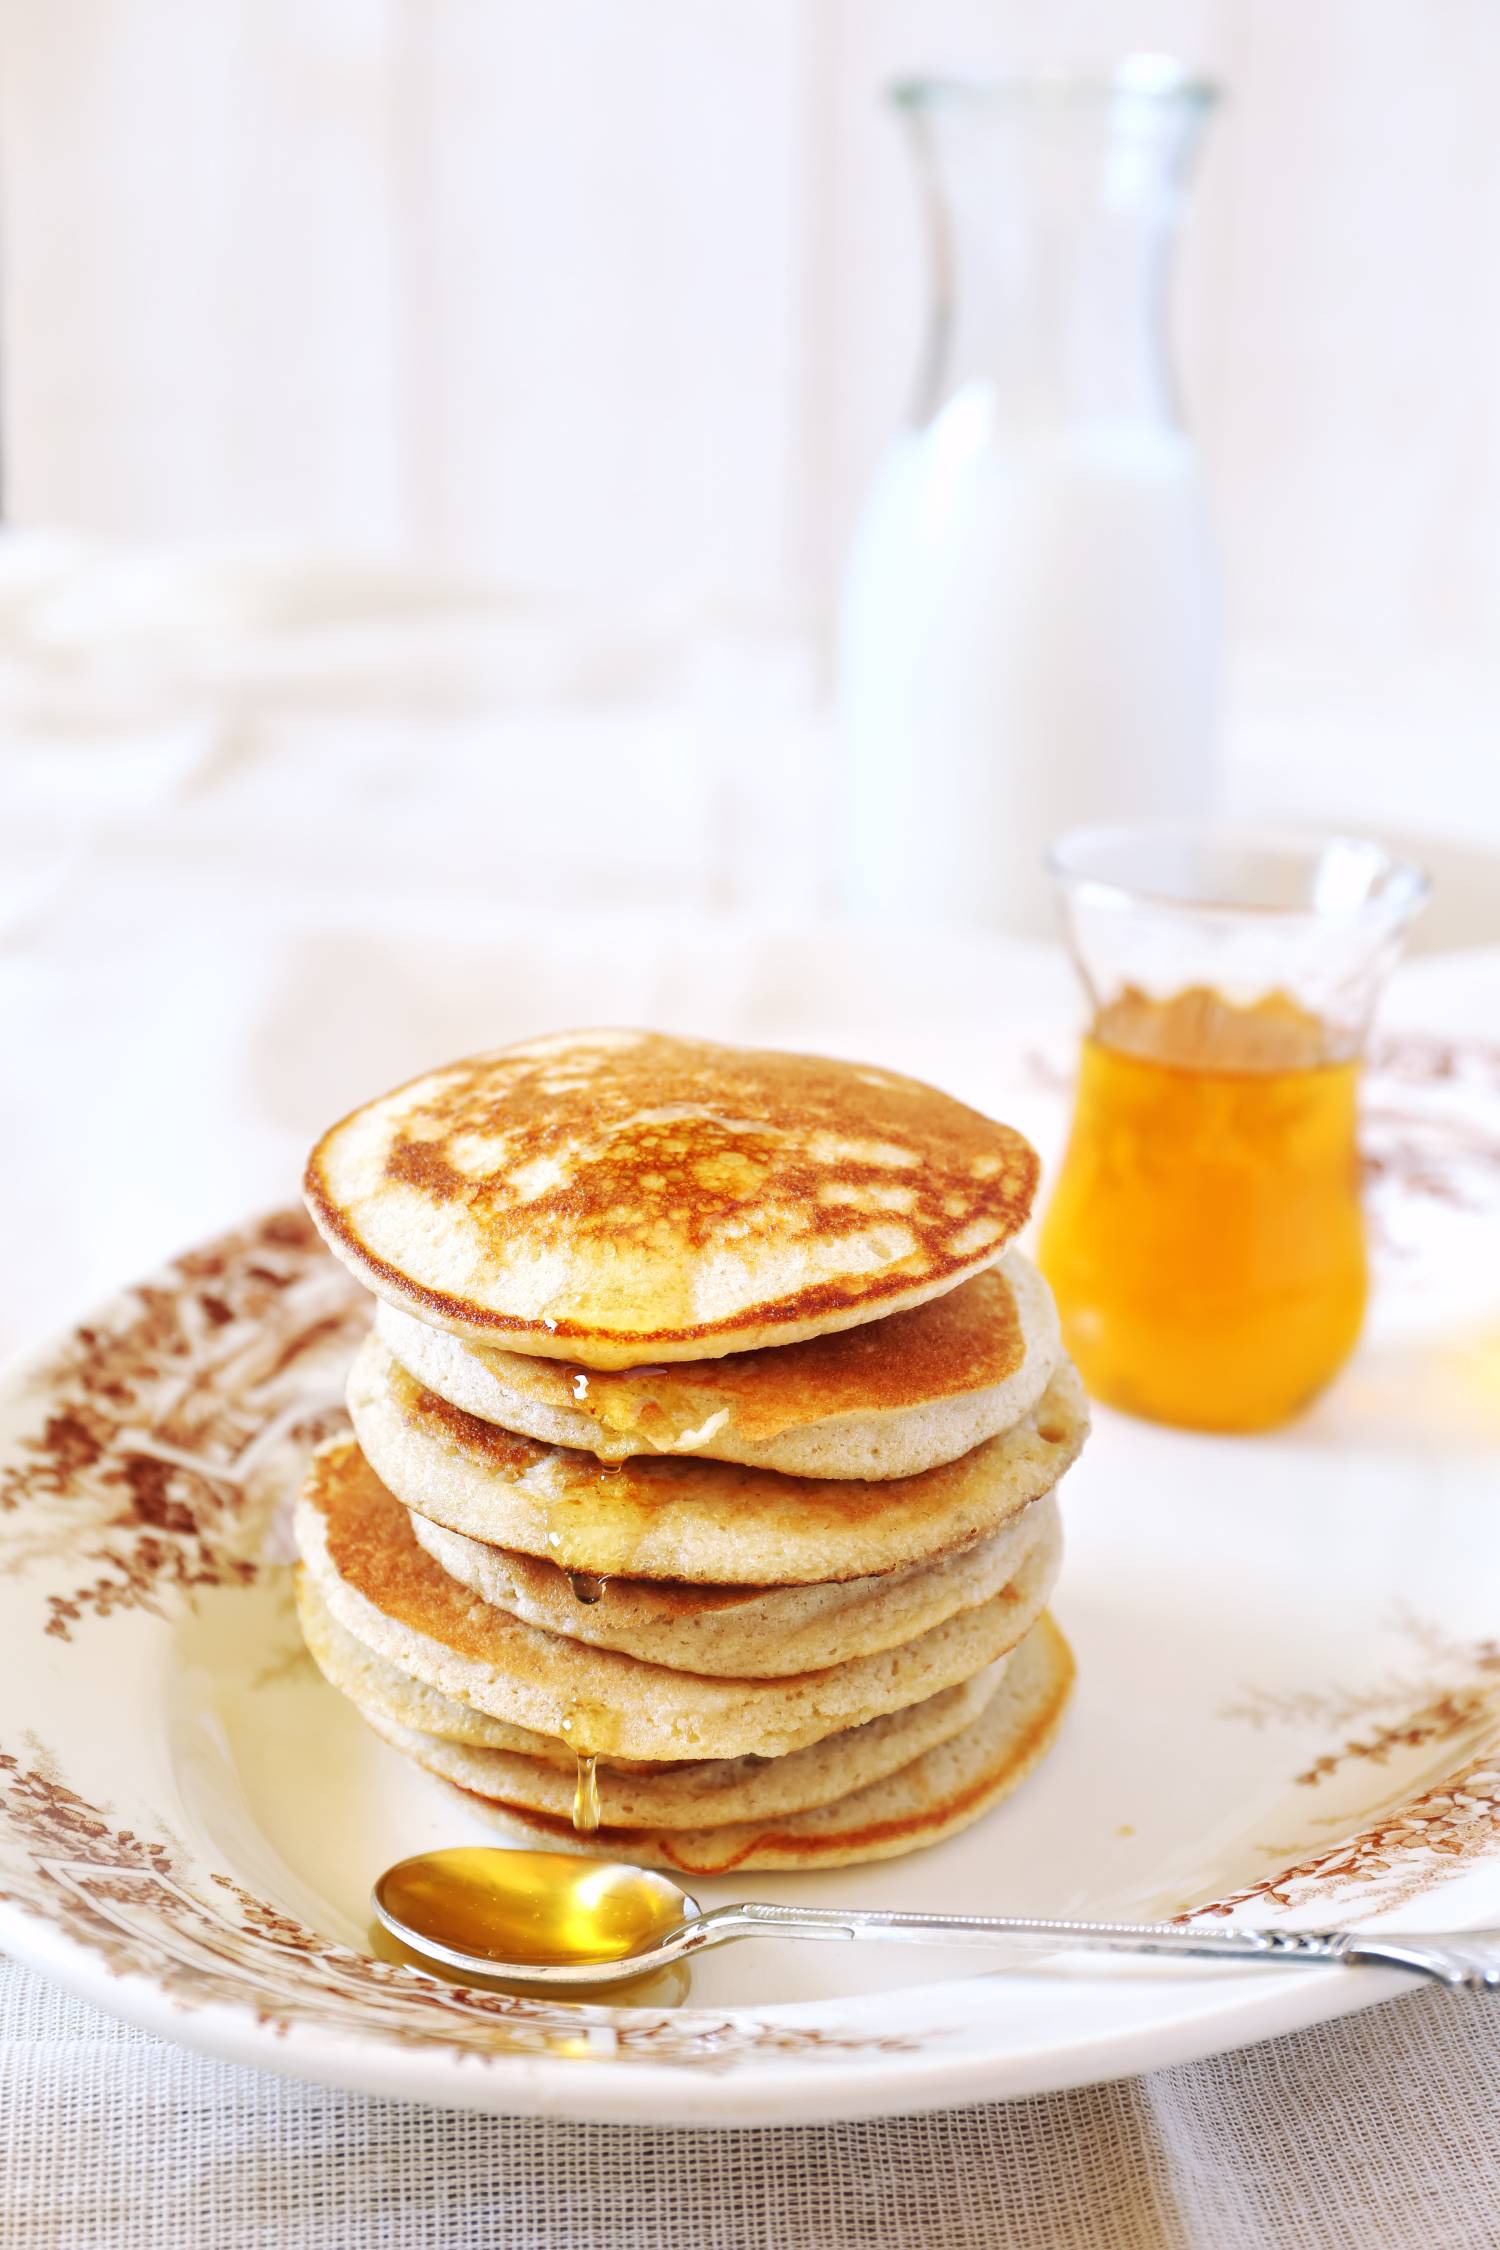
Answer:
(887, 1399)
(711, 1522)
(620, 1197)
(356, 1543)
(939, 1793)
(735, 1632)
(538, 1772)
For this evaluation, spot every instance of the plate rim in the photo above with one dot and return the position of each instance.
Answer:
(818, 2093)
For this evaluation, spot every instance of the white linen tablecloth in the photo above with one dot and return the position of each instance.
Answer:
(229, 904)
(1378, 2133)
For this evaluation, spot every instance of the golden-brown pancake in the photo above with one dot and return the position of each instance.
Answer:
(357, 1545)
(739, 1632)
(935, 1796)
(887, 1399)
(711, 1522)
(375, 1684)
(701, 1793)
(618, 1197)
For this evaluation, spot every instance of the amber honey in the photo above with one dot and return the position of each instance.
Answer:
(654, 1988)
(1205, 1241)
(531, 1909)
(586, 1793)
(590, 1730)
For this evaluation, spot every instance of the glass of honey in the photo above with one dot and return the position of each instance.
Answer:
(1205, 1240)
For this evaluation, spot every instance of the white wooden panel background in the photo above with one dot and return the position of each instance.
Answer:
(613, 299)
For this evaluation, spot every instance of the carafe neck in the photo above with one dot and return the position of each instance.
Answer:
(1050, 208)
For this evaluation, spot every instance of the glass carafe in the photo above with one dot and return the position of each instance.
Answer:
(1029, 628)
(1205, 1240)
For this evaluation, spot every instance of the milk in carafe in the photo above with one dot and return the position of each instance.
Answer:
(1029, 630)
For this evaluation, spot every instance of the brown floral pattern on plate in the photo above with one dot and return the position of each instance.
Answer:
(169, 1431)
(1446, 1696)
(166, 1440)
(1395, 1860)
(134, 1902)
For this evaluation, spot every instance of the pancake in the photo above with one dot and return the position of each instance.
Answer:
(706, 1793)
(714, 1792)
(939, 1793)
(379, 1686)
(618, 1197)
(887, 1399)
(740, 1631)
(357, 1544)
(713, 1522)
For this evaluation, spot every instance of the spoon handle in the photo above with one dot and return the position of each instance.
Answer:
(1469, 1959)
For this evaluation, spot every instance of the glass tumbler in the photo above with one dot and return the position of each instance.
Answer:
(1205, 1240)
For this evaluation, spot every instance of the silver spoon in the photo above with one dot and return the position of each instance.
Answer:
(550, 1918)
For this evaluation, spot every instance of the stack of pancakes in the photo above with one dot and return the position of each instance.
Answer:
(699, 1508)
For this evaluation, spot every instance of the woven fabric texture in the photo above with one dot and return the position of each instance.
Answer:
(1378, 2133)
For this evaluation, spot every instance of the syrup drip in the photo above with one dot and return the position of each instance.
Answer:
(586, 1794)
(590, 1730)
(587, 1585)
(594, 1516)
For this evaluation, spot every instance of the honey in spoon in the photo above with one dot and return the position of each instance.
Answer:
(664, 1986)
(537, 1909)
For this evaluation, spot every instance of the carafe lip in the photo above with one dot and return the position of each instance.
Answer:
(1137, 77)
(1093, 864)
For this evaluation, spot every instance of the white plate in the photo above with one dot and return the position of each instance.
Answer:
(1289, 1701)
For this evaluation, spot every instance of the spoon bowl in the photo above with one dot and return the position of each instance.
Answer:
(547, 1916)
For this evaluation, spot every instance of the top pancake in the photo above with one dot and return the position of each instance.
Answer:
(619, 1197)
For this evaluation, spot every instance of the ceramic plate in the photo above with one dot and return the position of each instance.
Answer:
(1288, 1710)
